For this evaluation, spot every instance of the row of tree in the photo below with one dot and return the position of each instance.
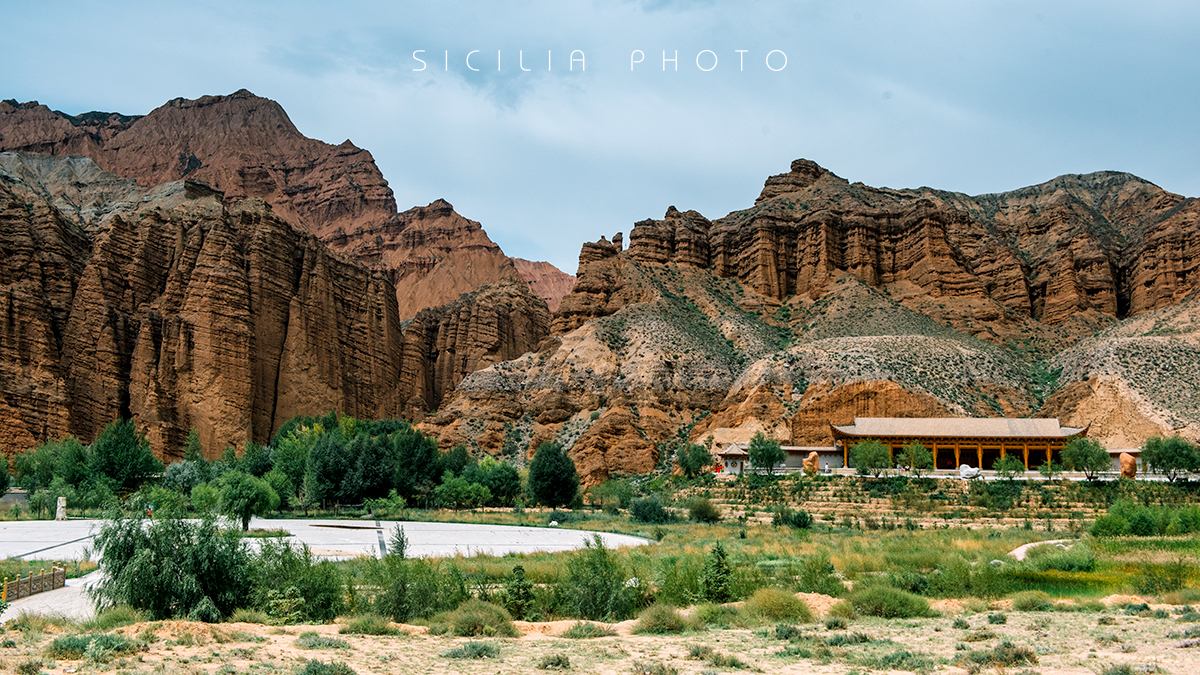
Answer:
(335, 459)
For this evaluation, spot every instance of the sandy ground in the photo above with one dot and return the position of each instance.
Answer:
(1074, 643)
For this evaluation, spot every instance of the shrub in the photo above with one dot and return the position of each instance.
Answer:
(775, 604)
(659, 619)
(961, 624)
(518, 594)
(311, 639)
(649, 510)
(554, 662)
(72, 647)
(283, 569)
(474, 650)
(710, 614)
(836, 623)
(367, 624)
(716, 578)
(843, 609)
(1156, 579)
(998, 619)
(584, 630)
(889, 603)
(249, 616)
(701, 510)
(1032, 601)
(114, 617)
(817, 576)
(1078, 558)
(799, 519)
(594, 584)
(205, 611)
(915, 662)
(170, 566)
(843, 639)
(316, 667)
(654, 668)
(476, 618)
(1004, 655)
(786, 631)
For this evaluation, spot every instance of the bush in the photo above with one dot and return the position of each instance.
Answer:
(659, 619)
(712, 614)
(367, 624)
(316, 667)
(817, 576)
(282, 568)
(776, 604)
(701, 510)
(170, 566)
(800, 519)
(843, 609)
(476, 618)
(716, 578)
(998, 619)
(249, 616)
(1004, 655)
(1032, 601)
(554, 662)
(584, 630)
(474, 650)
(889, 603)
(1156, 579)
(649, 510)
(836, 623)
(311, 639)
(114, 617)
(594, 584)
(205, 611)
(654, 668)
(961, 624)
(74, 647)
(786, 631)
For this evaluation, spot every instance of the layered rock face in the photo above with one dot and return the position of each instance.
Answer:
(1077, 248)
(547, 281)
(180, 311)
(246, 146)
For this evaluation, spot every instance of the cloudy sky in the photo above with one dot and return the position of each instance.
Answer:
(969, 96)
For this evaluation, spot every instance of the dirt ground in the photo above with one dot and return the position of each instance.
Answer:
(1083, 643)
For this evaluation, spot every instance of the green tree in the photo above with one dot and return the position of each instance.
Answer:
(457, 491)
(918, 458)
(244, 496)
(1050, 469)
(694, 459)
(171, 567)
(290, 452)
(182, 476)
(717, 578)
(553, 480)
(765, 453)
(1009, 467)
(122, 456)
(870, 456)
(282, 485)
(205, 497)
(1173, 457)
(593, 586)
(327, 465)
(370, 476)
(254, 460)
(1086, 455)
(518, 594)
(193, 451)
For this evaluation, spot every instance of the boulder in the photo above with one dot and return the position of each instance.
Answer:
(811, 465)
(966, 472)
(1128, 465)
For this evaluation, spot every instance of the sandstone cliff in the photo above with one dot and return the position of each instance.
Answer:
(827, 300)
(547, 281)
(246, 146)
(180, 311)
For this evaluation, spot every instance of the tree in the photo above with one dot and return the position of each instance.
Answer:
(282, 485)
(182, 476)
(870, 456)
(1086, 455)
(193, 451)
(503, 481)
(717, 577)
(205, 498)
(1173, 457)
(1009, 467)
(458, 491)
(518, 594)
(122, 455)
(171, 567)
(553, 480)
(765, 453)
(694, 459)
(1050, 469)
(918, 458)
(398, 543)
(327, 464)
(254, 460)
(243, 496)
(370, 477)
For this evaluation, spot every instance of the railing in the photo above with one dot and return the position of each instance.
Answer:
(34, 583)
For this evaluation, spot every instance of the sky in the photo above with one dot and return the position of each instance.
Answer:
(969, 96)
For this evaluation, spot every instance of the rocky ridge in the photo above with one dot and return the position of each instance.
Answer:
(246, 146)
(179, 309)
(828, 300)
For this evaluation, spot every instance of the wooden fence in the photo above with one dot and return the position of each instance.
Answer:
(34, 583)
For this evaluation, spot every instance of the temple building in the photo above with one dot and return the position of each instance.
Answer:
(954, 441)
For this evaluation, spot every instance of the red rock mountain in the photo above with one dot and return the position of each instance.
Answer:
(246, 146)
(829, 299)
(180, 309)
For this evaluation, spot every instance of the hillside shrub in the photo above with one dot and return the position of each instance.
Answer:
(475, 618)
(659, 619)
(889, 603)
(775, 604)
(593, 586)
(702, 510)
(649, 510)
